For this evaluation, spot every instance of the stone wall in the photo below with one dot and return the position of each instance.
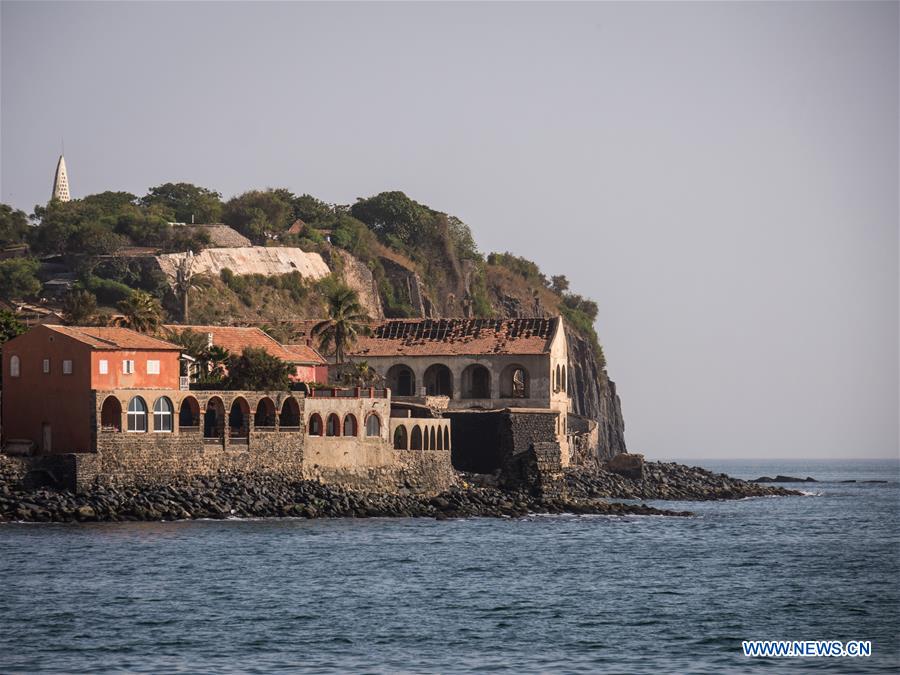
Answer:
(159, 458)
(350, 458)
(517, 445)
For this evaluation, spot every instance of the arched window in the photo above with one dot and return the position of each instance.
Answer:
(446, 438)
(15, 366)
(401, 380)
(373, 425)
(400, 438)
(265, 413)
(315, 424)
(349, 425)
(565, 380)
(514, 382)
(476, 382)
(290, 414)
(438, 380)
(440, 439)
(137, 414)
(162, 415)
(189, 413)
(333, 425)
(433, 443)
(557, 383)
(214, 420)
(111, 414)
(415, 439)
(238, 418)
(425, 445)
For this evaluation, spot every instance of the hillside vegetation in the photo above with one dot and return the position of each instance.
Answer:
(423, 262)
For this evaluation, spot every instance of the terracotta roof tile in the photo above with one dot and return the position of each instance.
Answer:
(307, 354)
(113, 338)
(236, 338)
(448, 337)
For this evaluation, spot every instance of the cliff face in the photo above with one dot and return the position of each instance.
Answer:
(594, 396)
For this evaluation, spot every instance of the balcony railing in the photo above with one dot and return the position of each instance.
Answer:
(355, 392)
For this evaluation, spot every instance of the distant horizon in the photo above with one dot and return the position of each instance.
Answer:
(722, 178)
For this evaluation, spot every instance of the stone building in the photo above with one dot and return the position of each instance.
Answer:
(475, 365)
(108, 406)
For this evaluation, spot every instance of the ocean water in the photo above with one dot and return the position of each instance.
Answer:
(538, 594)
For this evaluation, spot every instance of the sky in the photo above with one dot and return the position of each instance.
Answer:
(722, 178)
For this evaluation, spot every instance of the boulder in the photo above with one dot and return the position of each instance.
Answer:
(630, 466)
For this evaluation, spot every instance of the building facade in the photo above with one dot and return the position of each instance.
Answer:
(50, 371)
(474, 364)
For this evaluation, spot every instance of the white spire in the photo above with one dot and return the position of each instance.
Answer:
(61, 182)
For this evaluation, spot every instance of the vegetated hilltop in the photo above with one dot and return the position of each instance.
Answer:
(404, 258)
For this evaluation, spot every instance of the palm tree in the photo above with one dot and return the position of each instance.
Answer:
(186, 280)
(142, 312)
(346, 321)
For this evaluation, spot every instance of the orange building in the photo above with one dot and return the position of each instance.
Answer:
(50, 371)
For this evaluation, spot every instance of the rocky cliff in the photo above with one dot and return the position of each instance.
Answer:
(594, 396)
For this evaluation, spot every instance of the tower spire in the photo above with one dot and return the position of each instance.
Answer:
(61, 182)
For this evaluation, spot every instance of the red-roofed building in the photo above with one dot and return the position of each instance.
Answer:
(309, 365)
(484, 364)
(50, 371)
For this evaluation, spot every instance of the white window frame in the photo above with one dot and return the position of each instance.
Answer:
(128, 366)
(153, 366)
(136, 415)
(67, 367)
(160, 415)
(15, 366)
(103, 366)
(46, 366)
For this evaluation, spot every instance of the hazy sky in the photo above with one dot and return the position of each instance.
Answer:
(721, 178)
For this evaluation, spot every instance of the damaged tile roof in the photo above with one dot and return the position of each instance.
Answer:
(113, 338)
(236, 338)
(434, 337)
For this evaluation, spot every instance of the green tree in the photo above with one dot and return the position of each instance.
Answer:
(184, 202)
(259, 214)
(142, 312)
(346, 321)
(210, 360)
(358, 374)
(144, 229)
(559, 284)
(10, 326)
(312, 211)
(13, 226)
(18, 278)
(110, 203)
(93, 239)
(257, 370)
(394, 217)
(79, 307)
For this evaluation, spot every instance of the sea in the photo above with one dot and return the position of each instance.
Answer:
(543, 594)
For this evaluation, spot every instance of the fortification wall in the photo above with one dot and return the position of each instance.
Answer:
(122, 459)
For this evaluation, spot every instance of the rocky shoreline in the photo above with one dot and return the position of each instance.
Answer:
(249, 496)
(667, 481)
(261, 495)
